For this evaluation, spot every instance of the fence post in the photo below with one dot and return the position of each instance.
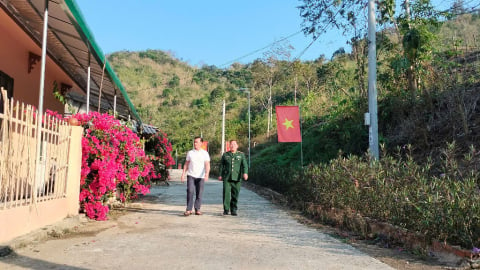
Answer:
(74, 170)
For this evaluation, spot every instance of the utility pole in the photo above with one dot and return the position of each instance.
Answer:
(223, 127)
(249, 144)
(371, 116)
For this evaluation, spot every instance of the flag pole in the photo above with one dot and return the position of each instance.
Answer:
(301, 136)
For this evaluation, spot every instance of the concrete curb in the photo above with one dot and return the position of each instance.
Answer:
(55, 230)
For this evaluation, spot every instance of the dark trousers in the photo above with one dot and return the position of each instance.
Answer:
(194, 185)
(231, 190)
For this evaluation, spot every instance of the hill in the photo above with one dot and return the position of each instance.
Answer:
(186, 101)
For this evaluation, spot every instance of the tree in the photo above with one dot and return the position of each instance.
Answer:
(322, 15)
(415, 27)
(261, 80)
(297, 69)
(458, 7)
(266, 73)
(339, 52)
(174, 82)
(217, 94)
(307, 76)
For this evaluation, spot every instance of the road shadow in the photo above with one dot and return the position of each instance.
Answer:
(30, 263)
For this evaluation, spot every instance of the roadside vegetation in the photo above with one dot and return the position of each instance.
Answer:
(426, 181)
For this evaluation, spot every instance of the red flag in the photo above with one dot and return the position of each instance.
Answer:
(288, 127)
(204, 145)
(227, 146)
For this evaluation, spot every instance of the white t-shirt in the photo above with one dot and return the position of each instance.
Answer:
(197, 158)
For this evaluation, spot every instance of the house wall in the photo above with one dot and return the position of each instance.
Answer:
(15, 46)
(18, 221)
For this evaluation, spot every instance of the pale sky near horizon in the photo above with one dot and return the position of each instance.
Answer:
(210, 32)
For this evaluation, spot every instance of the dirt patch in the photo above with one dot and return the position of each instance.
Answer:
(392, 254)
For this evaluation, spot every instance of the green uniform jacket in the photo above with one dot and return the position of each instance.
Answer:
(233, 166)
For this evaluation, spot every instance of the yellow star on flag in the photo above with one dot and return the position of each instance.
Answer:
(288, 124)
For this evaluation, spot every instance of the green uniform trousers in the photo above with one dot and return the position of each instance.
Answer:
(231, 190)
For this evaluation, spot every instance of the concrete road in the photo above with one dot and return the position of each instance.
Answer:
(154, 234)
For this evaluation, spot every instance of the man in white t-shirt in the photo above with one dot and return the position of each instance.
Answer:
(197, 167)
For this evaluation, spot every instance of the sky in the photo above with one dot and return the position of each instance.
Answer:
(209, 32)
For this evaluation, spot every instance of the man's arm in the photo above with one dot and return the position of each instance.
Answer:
(221, 169)
(245, 167)
(207, 170)
(185, 167)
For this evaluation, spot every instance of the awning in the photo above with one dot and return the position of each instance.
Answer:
(148, 129)
(72, 46)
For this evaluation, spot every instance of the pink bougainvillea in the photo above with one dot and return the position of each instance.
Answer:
(113, 164)
(159, 150)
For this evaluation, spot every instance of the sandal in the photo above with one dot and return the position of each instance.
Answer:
(187, 213)
(198, 213)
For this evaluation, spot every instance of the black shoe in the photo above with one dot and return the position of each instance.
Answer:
(225, 212)
(234, 213)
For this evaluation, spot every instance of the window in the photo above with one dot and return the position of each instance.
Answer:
(7, 83)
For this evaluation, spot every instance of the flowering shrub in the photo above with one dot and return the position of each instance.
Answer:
(158, 148)
(53, 114)
(113, 164)
(49, 117)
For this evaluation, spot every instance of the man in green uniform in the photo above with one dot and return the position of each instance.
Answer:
(233, 168)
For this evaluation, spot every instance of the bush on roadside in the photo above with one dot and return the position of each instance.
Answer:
(397, 191)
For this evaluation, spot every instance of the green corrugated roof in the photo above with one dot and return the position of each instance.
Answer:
(97, 52)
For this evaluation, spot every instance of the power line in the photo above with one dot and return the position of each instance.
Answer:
(323, 30)
(261, 49)
(306, 48)
(470, 6)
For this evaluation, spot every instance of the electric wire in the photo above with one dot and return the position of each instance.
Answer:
(261, 49)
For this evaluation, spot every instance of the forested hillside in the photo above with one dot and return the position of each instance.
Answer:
(186, 101)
